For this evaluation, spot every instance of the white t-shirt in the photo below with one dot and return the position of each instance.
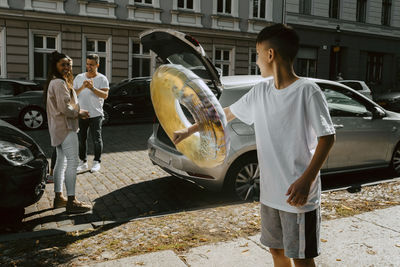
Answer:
(87, 99)
(287, 123)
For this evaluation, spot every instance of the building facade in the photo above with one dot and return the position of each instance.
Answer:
(358, 38)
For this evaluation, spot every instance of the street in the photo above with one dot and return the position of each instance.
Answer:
(127, 186)
(130, 186)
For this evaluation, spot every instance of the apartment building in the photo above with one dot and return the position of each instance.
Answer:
(31, 29)
(358, 38)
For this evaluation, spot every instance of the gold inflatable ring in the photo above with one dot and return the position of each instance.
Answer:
(174, 85)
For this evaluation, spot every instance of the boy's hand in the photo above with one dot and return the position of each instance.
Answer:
(180, 135)
(298, 192)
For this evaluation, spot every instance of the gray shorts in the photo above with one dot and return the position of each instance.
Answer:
(296, 233)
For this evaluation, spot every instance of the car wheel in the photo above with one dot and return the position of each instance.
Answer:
(106, 118)
(395, 163)
(243, 178)
(32, 118)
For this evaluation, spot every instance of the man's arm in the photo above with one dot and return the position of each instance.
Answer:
(102, 93)
(180, 135)
(299, 190)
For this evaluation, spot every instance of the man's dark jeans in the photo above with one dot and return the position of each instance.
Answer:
(94, 124)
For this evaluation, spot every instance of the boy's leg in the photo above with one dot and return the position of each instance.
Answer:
(301, 236)
(271, 235)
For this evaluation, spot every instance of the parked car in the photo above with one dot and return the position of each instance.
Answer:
(129, 100)
(359, 86)
(23, 172)
(21, 102)
(389, 101)
(367, 135)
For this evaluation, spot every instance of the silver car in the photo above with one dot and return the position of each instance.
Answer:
(367, 135)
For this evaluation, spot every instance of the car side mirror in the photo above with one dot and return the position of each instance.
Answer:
(378, 113)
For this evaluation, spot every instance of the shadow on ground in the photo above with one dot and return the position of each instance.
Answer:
(159, 196)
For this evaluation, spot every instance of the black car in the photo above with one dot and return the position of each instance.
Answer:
(21, 102)
(129, 101)
(389, 101)
(23, 170)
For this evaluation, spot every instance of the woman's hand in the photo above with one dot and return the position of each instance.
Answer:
(83, 114)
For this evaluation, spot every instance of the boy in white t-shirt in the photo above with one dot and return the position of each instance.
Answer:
(294, 134)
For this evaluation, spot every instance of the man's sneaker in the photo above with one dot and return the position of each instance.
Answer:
(59, 202)
(77, 207)
(96, 166)
(82, 166)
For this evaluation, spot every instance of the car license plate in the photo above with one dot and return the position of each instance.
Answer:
(162, 156)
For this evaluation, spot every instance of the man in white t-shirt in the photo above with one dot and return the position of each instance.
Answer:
(92, 88)
(294, 134)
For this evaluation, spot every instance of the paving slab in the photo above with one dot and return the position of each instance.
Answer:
(239, 253)
(156, 259)
(369, 239)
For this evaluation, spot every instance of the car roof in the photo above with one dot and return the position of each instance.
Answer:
(24, 82)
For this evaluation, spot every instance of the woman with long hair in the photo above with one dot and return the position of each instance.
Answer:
(62, 114)
(50, 178)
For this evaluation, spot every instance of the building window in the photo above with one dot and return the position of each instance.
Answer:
(3, 61)
(44, 45)
(224, 6)
(224, 60)
(259, 7)
(334, 9)
(253, 68)
(147, 2)
(307, 62)
(307, 67)
(144, 10)
(374, 68)
(386, 12)
(361, 10)
(185, 4)
(140, 61)
(305, 7)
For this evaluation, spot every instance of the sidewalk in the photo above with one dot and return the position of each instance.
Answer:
(369, 239)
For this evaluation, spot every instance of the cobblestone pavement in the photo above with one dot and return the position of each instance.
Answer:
(127, 186)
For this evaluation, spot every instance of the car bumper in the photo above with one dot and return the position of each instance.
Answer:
(21, 186)
(178, 165)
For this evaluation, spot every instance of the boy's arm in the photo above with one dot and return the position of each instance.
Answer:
(299, 190)
(180, 135)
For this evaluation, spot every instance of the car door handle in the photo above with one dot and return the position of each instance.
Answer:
(338, 126)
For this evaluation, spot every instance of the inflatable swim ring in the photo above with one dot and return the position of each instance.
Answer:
(174, 85)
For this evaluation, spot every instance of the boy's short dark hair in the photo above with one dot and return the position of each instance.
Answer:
(93, 57)
(282, 38)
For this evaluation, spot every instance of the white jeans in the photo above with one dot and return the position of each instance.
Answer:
(66, 164)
